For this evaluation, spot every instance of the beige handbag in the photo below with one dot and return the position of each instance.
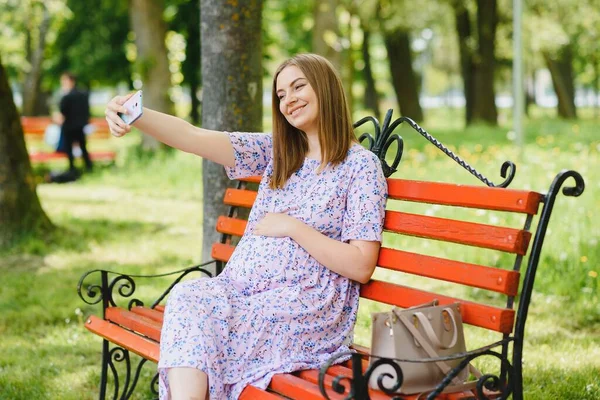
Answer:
(417, 333)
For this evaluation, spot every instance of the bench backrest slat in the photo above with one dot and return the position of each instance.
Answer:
(485, 198)
(489, 317)
(479, 276)
(222, 251)
(231, 226)
(468, 233)
(35, 127)
(239, 197)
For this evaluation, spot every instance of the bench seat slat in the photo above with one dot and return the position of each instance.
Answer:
(494, 318)
(222, 251)
(468, 233)
(231, 226)
(496, 279)
(297, 388)
(312, 376)
(254, 393)
(155, 315)
(239, 197)
(135, 322)
(487, 198)
(122, 337)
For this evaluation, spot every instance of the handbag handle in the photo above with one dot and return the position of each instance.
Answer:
(431, 334)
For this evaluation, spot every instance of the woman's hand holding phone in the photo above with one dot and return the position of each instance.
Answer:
(116, 107)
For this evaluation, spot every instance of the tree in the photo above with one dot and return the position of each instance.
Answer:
(35, 55)
(484, 107)
(396, 33)
(371, 94)
(466, 52)
(562, 33)
(232, 101)
(151, 63)
(326, 32)
(20, 209)
(29, 27)
(93, 45)
(478, 58)
(560, 66)
(187, 23)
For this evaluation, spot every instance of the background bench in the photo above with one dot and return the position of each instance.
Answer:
(34, 129)
(135, 327)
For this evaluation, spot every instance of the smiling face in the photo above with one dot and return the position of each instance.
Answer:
(297, 100)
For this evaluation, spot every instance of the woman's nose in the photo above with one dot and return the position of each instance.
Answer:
(291, 99)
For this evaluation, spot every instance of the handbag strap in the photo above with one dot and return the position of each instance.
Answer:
(431, 334)
(457, 386)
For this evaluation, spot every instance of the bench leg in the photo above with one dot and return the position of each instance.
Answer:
(122, 390)
(104, 370)
(517, 382)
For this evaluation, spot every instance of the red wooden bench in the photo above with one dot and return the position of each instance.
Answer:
(34, 129)
(136, 327)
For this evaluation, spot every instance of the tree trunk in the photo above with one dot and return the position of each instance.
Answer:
(32, 98)
(529, 92)
(20, 209)
(191, 65)
(371, 96)
(484, 103)
(326, 33)
(232, 86)
(403, 76)
(561, 70)
(152, 63)
(467, 66)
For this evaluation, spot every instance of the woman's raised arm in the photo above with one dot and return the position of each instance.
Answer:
(173, 131)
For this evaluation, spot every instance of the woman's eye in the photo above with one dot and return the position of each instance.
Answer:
(299, 87)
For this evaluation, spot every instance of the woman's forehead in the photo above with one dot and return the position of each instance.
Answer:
(288, 75)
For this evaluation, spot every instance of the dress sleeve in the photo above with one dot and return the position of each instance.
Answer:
(252, 152)
(365, 202)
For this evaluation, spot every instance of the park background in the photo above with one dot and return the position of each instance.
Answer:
(446, 64)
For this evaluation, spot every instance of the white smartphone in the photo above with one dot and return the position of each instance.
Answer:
(133, 107)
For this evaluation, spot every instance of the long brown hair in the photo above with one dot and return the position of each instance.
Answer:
(336, 134)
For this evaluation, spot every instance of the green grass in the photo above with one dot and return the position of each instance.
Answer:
(143, 215)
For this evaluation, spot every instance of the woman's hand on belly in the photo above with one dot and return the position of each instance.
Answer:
(276, 225)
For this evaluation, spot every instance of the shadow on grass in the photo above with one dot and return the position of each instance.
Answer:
(27, 251)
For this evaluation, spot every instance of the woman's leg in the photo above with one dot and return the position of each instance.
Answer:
(187, 384)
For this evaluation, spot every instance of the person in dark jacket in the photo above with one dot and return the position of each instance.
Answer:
(74, 107)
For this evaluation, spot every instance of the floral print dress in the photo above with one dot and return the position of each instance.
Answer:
(274, 308)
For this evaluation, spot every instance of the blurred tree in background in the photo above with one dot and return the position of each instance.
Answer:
(20, 209)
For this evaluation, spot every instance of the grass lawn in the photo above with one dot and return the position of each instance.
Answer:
(144, 216)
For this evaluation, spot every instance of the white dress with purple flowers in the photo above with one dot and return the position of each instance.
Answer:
(274, 308)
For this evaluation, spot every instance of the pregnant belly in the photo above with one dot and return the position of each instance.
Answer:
(261, 263)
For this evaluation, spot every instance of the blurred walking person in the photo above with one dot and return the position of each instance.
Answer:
(75, 109)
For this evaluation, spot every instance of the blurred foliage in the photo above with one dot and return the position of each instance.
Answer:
(95, 41)
(92, 43)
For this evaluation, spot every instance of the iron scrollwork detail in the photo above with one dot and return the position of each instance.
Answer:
(121, 355)
(486, 387)
(125, 286)
(384, 139)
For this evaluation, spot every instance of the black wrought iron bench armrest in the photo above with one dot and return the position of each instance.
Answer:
(94, 293)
